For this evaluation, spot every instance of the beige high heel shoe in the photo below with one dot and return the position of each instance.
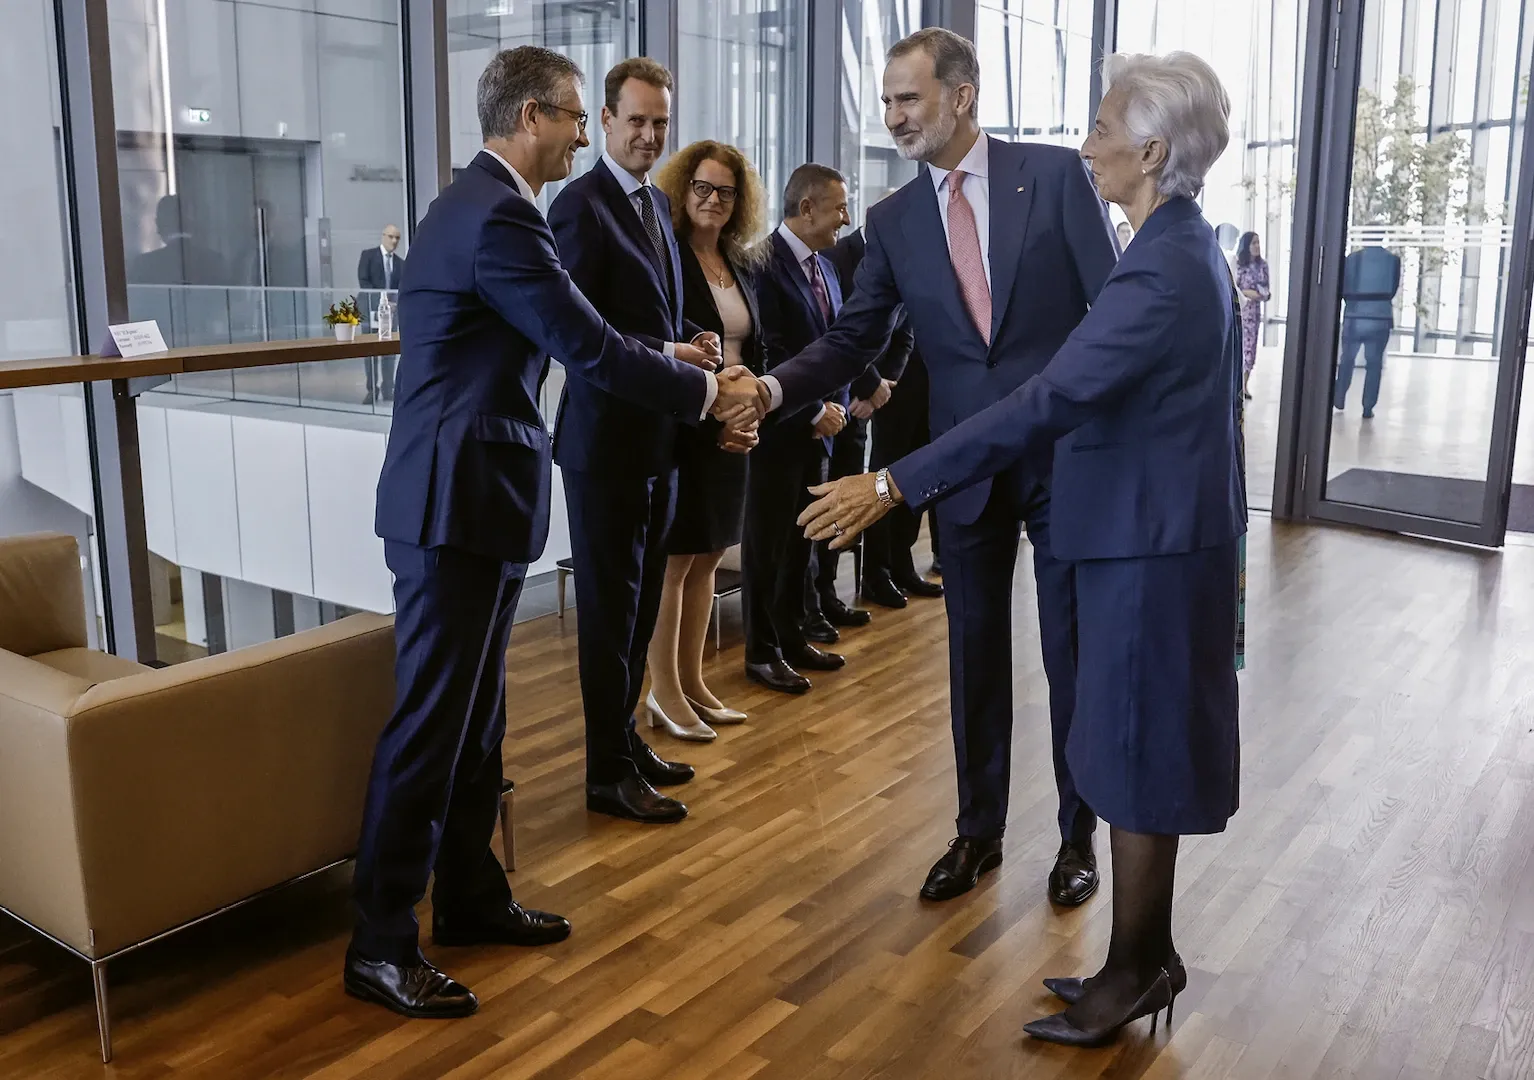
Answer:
(659, 719)
(718, 716)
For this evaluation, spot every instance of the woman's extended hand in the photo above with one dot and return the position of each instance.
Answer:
(843, 509)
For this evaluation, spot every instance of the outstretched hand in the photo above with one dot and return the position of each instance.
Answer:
(741, 397)
(843, 509)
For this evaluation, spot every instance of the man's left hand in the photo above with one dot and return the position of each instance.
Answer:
(708, 342)
(843, 509)
(882, 395)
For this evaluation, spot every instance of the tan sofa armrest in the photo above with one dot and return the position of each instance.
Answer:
(42, 594)
(201, 784)
(40, 875)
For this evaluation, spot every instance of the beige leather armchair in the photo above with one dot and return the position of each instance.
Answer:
(136, 801)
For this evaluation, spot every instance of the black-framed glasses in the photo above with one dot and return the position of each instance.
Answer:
(703, 189)
(580, 116)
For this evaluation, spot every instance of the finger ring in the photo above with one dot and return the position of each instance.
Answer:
(837, 527)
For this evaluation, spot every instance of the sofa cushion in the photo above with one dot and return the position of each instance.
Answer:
(42, 594)
(95, 667)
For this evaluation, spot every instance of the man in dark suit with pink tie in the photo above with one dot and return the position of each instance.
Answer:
(995, 251)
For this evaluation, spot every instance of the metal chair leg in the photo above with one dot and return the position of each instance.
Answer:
(559, 584)
(508, 826)
(103, 1017)
(713, 618)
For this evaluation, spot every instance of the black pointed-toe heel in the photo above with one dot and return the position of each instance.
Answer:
(1071, 991)
(1058, 1029)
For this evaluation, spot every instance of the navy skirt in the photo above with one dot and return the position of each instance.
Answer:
(1154, 745)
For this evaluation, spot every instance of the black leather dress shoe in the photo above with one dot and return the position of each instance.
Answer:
(879, 589)
(515, 925)
(656, 769)
(819, 628)
(839, 613)
(958, 871)
(633, 799)
(1074, 878)
(917, 586)
(418, 991)
(776, 675)
(808, 658)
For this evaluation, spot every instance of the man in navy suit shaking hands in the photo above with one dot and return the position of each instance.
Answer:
(463, 508)
(616, 456)
(996, 249)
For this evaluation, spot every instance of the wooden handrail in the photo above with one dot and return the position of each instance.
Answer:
(58, 370)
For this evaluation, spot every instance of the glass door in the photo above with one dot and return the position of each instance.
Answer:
(1420, 296)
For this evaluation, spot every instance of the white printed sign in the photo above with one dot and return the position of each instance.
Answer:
(134, 339)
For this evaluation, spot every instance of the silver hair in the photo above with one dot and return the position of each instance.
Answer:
(1178, 99)
(512, 79)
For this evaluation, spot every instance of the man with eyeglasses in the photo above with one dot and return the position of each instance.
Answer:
(617, 456)
(463, 508)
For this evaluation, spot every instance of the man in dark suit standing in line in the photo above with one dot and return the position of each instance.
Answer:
(616, 456)
(463, 508)
(897, 415)
(799, 297)
(849, 450)
(378, 271)
(994, 252)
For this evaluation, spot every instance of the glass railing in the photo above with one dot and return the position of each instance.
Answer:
(192, 315)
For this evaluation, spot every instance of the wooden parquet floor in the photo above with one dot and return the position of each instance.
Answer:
(1370, 912)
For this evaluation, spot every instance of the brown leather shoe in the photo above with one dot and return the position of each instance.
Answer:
(1074, 878)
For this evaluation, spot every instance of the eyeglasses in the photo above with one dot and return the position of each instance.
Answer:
(703, 189)
(580, 116)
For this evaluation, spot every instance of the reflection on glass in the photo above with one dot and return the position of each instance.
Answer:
(874, 169)
(260, 156)
(1423, 281)
(1258, 52)
(45, 462)
(742, 77)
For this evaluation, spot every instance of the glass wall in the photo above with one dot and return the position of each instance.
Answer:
(1036, 69)
(260, 154)
(1257, 49)
(742, 76)
(1438, 120)
(868, 155)
(45, 463)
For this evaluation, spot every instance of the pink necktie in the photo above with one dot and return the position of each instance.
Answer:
(964, 250)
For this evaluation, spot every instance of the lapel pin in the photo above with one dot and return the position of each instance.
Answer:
(1019, 191)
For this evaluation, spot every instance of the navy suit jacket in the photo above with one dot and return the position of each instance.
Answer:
(370, 269)
(1052, 247)
(791, 321)
(1144, 399)
(603, 245)
(847, 256)
(483, 304)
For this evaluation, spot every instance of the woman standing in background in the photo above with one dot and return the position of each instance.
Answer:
(1252, 282)
(719, 209)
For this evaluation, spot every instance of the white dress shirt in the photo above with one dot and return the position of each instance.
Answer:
(977, 190)
(527, 191)
(805, 256)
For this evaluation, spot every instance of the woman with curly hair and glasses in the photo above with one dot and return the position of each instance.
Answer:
(719, 211)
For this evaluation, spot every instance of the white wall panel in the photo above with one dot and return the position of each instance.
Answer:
(192, 604)
(271, 480)
(248, 615)
(278, 72)
(343, 477)
(203, 490)
(154, 462)
(203, 71)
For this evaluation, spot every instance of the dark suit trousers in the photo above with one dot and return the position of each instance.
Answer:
(898, 428)
(618, 527)
(978, 563)
(436, 781)
(848, 453)
(1373, 337)
(774, 554)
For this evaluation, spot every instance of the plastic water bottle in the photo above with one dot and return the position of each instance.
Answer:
(385, 318)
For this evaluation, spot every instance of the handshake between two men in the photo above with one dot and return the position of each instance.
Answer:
(741, 401)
